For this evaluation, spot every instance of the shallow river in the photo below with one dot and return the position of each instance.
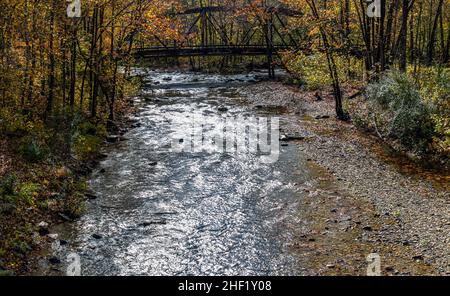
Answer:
(202, 213)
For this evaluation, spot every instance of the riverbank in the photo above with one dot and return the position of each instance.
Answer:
(40, 193)
(367, 201)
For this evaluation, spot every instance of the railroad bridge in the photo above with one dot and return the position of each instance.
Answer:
(264, 35)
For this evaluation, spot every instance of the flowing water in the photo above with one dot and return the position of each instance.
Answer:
(165, 213)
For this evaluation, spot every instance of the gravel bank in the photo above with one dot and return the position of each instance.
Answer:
(391, 206)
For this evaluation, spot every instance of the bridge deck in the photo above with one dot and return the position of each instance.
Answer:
(161, 52)
(280, 9)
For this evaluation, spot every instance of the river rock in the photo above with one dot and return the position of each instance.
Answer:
(291, 137)
(418, 257)
(132, 120)
(136, 125)
(64, 217)
(54, 260)
(43, 228)
(222, 109)
(90, 195)
(318, 97)
(148, 223)
(389, 269)
(85, 169)
(113, 139)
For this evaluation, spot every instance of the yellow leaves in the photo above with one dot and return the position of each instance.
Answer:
(61, 172)
(312, 69)
(29, 126)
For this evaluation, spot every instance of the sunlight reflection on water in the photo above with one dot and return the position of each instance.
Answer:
(190, 214)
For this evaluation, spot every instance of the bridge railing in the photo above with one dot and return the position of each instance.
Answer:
(155, 48)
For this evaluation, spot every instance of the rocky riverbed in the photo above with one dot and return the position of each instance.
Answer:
(333, 197)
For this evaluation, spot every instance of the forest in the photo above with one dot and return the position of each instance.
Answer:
(68, 86)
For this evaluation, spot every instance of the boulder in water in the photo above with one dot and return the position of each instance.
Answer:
(43, 228)
(54, 260)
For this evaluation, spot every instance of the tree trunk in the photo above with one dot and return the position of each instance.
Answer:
(432, 40)
(403, 36)
(73, 67)
(51, 75)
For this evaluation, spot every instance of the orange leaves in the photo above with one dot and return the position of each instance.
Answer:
(158, 21)
(326, 16)
(252, 11)
(314, 31)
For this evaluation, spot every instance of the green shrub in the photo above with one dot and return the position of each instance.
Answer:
(86, 146)
(12, 122)
(435, 89)
(399, 111)
(86, 138)
(8, 184)
(31, 149)
(74, 205)
(28, 192)
(87, 128)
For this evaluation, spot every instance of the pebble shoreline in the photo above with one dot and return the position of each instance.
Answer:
(409, 211)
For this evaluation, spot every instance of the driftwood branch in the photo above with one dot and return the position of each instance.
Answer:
(358, 93)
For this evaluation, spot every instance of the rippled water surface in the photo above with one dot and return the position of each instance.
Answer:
(163, 213)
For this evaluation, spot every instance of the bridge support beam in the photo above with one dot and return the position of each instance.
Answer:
(269, 44)
(270, 66)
